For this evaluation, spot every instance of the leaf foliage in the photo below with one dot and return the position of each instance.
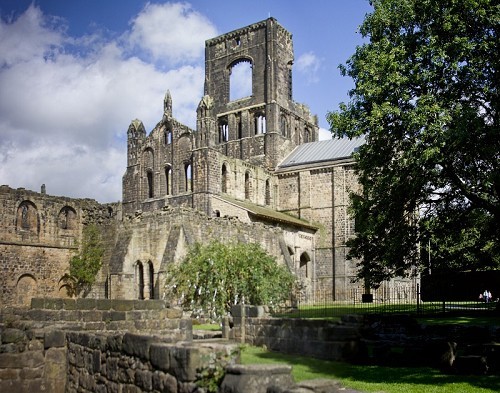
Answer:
(84, 266)
(426, 99)
(214, 276)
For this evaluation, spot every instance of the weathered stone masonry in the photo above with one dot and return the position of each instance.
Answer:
(251, 171)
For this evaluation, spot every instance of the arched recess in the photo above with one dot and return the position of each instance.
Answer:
(307, 135)
(26, 288)
(248, 185)
(267, 196)
(284, 127)
(167, 137)
(168, 180)
(240, 81)
(305, 265)
(67, 218)
(27, 217)
(139, 280)
(148, 168)
(151, 280)
(188, 176)
(225, 178)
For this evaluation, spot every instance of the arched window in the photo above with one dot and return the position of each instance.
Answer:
(67, 218)
(188, 177)
(151, 277)
(307, 135)
(304, 265)
(260, 124)
(268, 193)
(139, 280)
(248, 185)
(240, 82)
(240, 127)
(285, 130)
(149, 176)
(148, 166)
(224, 178)
(168, 180)
(168, 136)
(223, 131)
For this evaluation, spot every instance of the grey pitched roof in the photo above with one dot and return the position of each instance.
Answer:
(321, 151)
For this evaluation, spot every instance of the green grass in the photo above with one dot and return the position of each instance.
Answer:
(207, 326)
(375, 378)
(334, 311)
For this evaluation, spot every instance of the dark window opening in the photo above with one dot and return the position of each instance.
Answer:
(150, 184)
(247, 185)
(139, 280)
(151, 280)
(223, 132)
(224, 178)
(268, 193)
(304, 265)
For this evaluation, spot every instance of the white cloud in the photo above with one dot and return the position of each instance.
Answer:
(309, 65)
(324, 134)
(66, 102)
(171, 32)
(29, 36)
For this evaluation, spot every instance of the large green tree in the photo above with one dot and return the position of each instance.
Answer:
(426, 99)
(214, 276)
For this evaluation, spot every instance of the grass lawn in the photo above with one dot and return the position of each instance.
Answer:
(213, 327)
(334, 311)
(375, 378)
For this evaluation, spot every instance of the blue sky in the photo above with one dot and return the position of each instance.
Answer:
(74, 73)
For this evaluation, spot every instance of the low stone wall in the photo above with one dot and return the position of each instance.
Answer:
(396, 340)
(143, 363)
(94, 345)
(316, 338)
(152, 316)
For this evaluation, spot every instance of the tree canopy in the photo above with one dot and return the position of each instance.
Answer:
(214, 276)
(426, 99)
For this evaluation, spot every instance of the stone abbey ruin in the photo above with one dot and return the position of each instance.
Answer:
(252, 171)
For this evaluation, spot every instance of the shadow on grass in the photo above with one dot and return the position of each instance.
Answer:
(376, 378)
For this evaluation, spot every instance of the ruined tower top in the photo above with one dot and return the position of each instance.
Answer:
(266, 47)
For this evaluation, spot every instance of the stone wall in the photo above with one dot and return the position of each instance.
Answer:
(307, 337)
(389, 340)
(62, 345)
(39, 234)
(320, 194)
(32, 359)
(139, 363)
(161, 238)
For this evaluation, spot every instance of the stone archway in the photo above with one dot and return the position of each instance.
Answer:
(26, 288)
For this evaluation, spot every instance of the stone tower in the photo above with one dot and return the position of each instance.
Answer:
(239, 141)
(264, 126)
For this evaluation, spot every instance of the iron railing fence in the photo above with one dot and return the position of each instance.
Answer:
(384, 300)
